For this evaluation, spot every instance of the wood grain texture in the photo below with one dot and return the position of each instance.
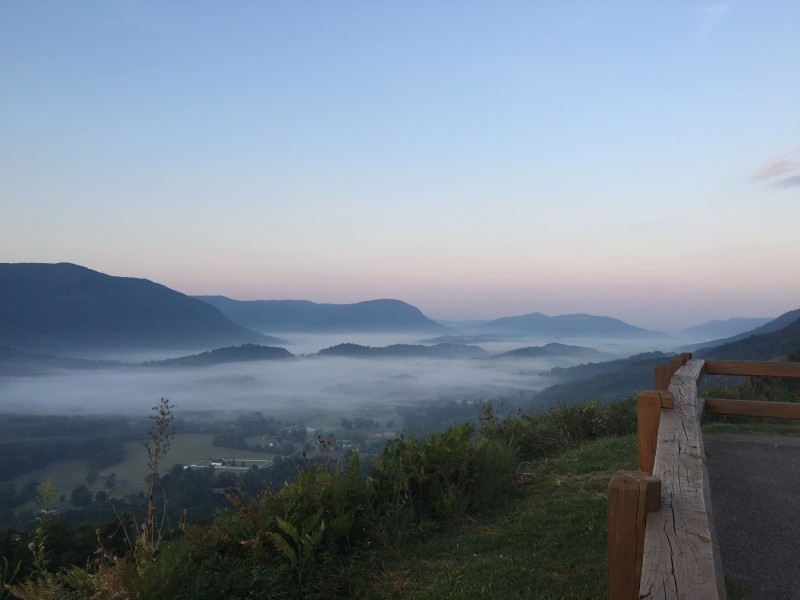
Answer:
(681, 560)
(648, 414)
(631, 495)
(753, 408)
(753, 368)
(661, 377)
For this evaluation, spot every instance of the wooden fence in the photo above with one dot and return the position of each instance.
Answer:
(661, 541)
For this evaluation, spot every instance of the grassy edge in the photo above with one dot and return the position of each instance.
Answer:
(546, 541)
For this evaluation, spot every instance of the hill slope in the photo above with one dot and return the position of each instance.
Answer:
(405, 351)
(718, 329)
(764, 346)
(774, 325)
(577, 325)
(65, 307)
(553, 349)
(604, 381)
(243, 353)
(304, 316)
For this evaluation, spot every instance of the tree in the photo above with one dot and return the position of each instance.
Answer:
(81, 496)
(110, 481)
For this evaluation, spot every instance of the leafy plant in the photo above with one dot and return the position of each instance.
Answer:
(301, 544)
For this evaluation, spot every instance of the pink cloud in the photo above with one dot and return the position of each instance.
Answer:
(787, 163)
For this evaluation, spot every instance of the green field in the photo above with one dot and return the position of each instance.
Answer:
(189, 448)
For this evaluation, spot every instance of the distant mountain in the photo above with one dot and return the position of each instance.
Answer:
(460, 324)
(577, 325)
(603, 381)
(717, 329)
(552, 350)
(245, 352)
(466, 339)
(405, 351)
(774, 345)
(60, 308)
(302, 316)
(775, 325)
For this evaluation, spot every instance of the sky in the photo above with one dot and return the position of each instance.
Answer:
(476, 159)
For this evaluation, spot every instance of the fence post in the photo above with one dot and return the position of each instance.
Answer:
(675, 364)
(648, 416)
(662, 376)
(631, 495)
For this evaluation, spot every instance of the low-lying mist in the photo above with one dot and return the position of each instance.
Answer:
(306, 385)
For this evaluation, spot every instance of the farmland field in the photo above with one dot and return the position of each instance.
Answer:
(186, 449)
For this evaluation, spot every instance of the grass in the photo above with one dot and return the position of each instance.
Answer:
(547, 541)
(732, 424)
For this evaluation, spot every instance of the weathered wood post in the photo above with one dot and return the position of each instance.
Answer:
(675, 364)
(648, 416)
(631, 495)
(662, 376)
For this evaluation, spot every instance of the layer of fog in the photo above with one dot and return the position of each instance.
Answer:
(304, 344)
(305, 386)
(281, 388)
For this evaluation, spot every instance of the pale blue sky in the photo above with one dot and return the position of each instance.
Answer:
(477, 159)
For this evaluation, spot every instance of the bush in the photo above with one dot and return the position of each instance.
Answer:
(537, 436)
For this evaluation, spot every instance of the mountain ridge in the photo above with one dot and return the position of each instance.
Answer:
(774, 325)
(721, 329)
(404, 351)
(553, 349)
(63, 307)
(771, 345)
(571, 325)
(229, 354)
(304, 316)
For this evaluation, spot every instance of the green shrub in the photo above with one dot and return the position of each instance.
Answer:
(542, 435)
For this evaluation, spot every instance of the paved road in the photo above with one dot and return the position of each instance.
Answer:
(755, 495)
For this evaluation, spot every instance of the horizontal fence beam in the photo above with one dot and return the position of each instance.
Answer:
(753, 368)
(680, 559)
(753, 408)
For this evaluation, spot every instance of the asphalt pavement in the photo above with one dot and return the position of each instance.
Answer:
(755, 497)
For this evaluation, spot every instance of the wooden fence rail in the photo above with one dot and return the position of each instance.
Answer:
(661, 541)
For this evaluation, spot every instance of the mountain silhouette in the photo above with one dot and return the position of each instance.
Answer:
(66, 308)
(551, 350)
(218, 356)
(302, 316)
(718, 329)
(577, 325)
(405, 351)
(760, 344)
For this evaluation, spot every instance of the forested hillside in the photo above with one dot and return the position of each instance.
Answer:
(68, 308)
